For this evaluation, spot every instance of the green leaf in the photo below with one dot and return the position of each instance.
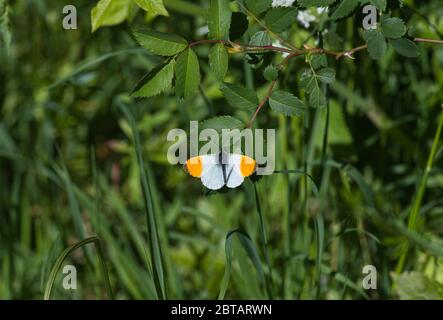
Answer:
(218, 60)
(187, 73)
(405, 47)
(260, 38)
(252, 253)
(239, 97)
(109, 12)
(380, 4)
(315, 3)
(376, 43)
(219, 19)
(270, 73)
(344, 8)
(319, 60)
(156, 81)
(286, 103)
(317, 98)
(239, 25)
(393, 27)
(258, 6)
(306, 77)
(153, 6)
(279, 19)
(163, 44)
(326, 75)
(222, 122)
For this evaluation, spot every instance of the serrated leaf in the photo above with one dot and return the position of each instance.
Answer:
(218, 60)
(258, 6)
(270, 73)
(279, 19)
(380, 4)
(306, 78)
(153, 6)
(405, 47)
(393, 27)
(239, 25)
(260, 38)
(187, 73)
(376, 43)
(239, 96)
(319, 60)
(315, 3)
(222, 122)
(219, 19)
(160, 43)
(326, 75)
(344, 9)
(109, 12)
(156, 81)
(286, 103)
(317, 98)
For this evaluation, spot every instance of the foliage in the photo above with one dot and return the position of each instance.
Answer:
(83, 149)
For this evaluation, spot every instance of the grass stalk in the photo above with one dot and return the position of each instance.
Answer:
(62, 257)
(413, 216)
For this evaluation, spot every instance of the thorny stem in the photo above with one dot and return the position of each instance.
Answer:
(293, 52)
(262, 103)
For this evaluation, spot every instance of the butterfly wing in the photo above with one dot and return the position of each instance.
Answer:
(212, 173)
(238, 167)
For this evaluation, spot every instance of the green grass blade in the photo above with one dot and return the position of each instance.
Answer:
(154, 241)
(252, 253)
(413, 216)
(62, 257)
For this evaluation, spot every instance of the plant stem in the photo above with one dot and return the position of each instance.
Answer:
(262, 103)
(413, 216)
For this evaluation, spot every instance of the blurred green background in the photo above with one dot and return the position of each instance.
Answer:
(69, 168)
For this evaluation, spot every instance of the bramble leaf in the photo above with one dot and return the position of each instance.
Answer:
(109, 12)
(376, 43)
(153, 6)
(239, 96)
(405, 47)
(187, 73)
(160, 43)
(219, 19)
(393, 27)
(155, 81)
(270, 73)
(286, 103)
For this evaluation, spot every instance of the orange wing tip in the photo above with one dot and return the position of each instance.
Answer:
(247, 166)
(194, 167)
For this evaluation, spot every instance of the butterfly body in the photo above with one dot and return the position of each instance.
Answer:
(221, 169)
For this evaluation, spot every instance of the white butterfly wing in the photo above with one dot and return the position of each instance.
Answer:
(233, 174)
(212, 174)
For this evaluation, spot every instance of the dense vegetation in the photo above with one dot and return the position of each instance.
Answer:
(83, 150)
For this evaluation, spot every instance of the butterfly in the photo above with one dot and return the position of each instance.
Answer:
(221, 169)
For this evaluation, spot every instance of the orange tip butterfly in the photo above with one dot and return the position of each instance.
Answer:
(221, 169)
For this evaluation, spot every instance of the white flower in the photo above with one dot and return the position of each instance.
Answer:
(282, 3)
(305, 18)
